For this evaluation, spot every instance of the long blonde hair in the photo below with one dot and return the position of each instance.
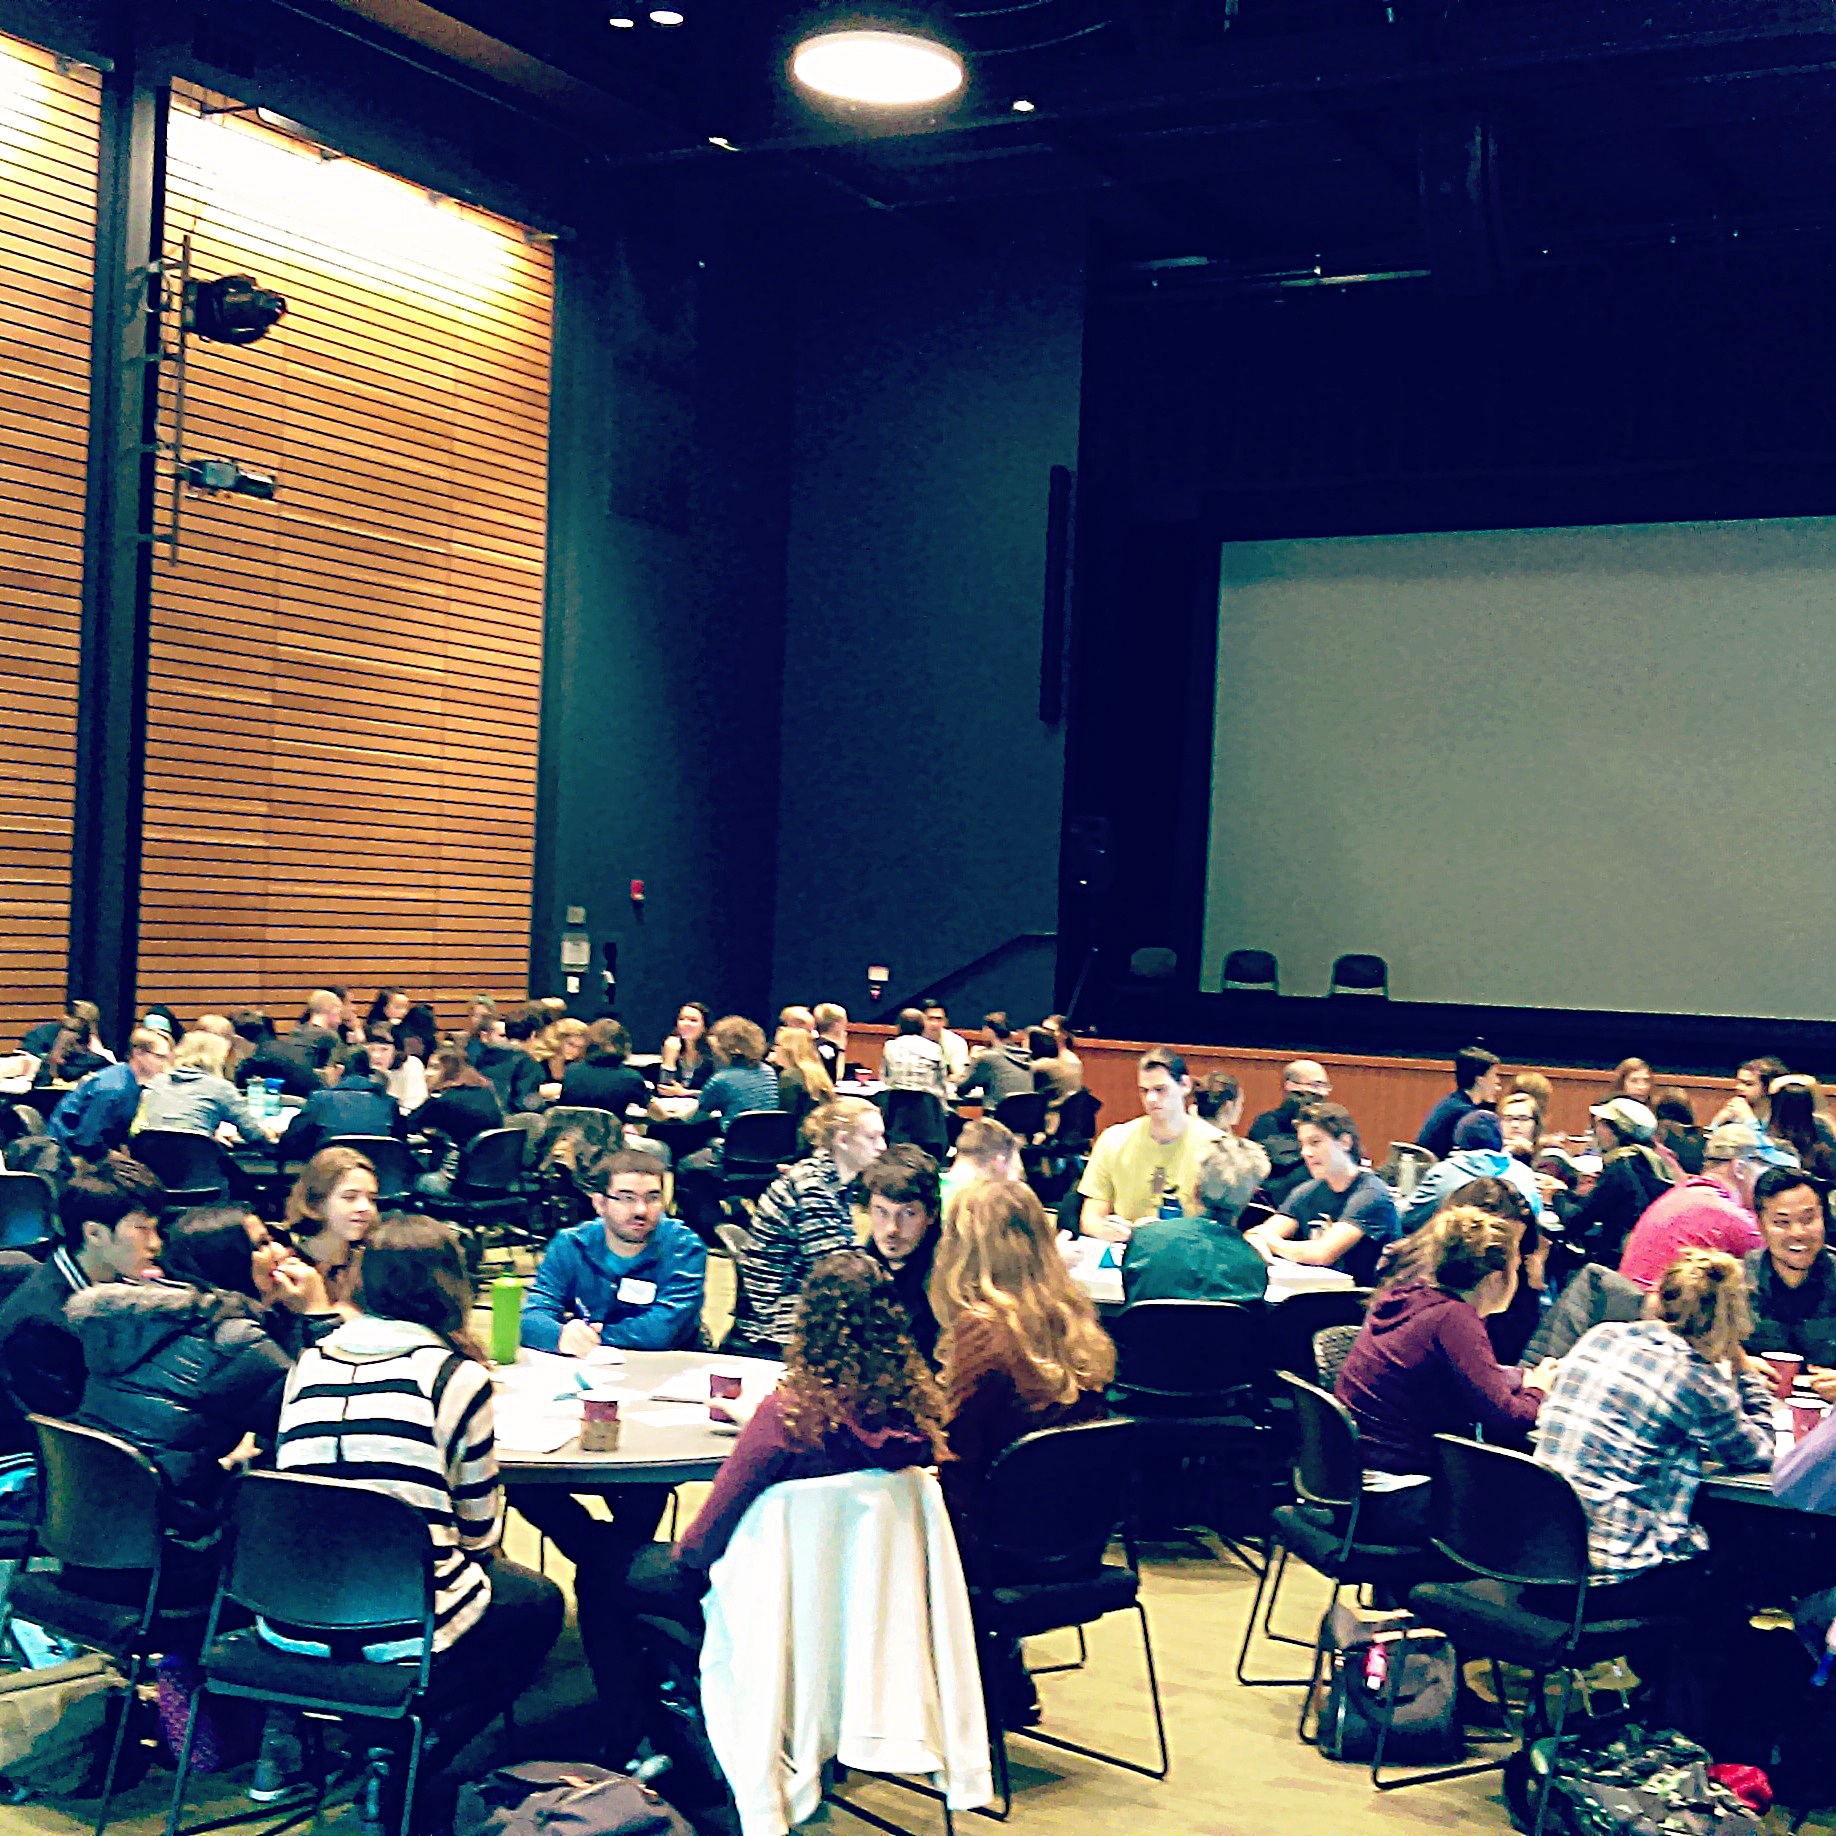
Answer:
(206, 1051)
(1702, 1297)
(998, 1261)
(795, 1051)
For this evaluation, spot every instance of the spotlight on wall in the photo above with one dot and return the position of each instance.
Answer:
(878, 66)
(226, 475)
(233, 310)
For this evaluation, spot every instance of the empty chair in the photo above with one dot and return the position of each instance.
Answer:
(1024, 1113)
(1294, 1325)
(1252, 971)
(194, 1169)
(487, 1195)
(396, 1166)
(1154, 963)
(757, 1145)
(1360, 975)
(917, 1117)
(28, 1211)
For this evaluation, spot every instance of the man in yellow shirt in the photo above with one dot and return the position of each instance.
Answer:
(1135, 1164)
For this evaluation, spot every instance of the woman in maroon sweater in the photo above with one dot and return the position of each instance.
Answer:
(1423, 1365)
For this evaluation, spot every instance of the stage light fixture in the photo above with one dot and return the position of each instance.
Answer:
(233, 310)
(878, 66)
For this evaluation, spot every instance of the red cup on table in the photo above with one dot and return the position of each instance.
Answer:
(723, 1387)
(1786, 1368)
(1805, 1415)
(599, 1426)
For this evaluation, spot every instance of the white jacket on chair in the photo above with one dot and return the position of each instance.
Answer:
(838, 1627)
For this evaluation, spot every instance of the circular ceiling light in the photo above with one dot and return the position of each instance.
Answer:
(879, 67)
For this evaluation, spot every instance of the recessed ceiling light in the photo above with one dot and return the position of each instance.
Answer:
(622, 21)
(665, 15)
(721, 141)
(882, 68)
(1023, 107)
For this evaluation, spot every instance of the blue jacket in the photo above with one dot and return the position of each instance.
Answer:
(1462, 1166)
(580, 1278)
(354, 1105)
(98, 1113)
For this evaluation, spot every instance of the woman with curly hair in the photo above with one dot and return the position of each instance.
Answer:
(856, 1396)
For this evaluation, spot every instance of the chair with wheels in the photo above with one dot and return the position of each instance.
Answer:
(1320, 1529)
(330, 1558)
(1056, 1163)
(916, 1117)
(488, 1199)
(1360, 975)
(1513, 1525)
(755, 1149)
(99, 1511)
(28, 1211)
(1046, 1514)
(1024, 1113)
(193, 1168)
(396, 1166)
(1252, 972)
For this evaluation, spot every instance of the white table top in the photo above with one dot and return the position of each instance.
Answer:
(538, 1409)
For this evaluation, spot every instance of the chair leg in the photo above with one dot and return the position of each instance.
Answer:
(135, 1671)
(1273, 1571)
(1555, 1751)
(416, 1729)
(1163, 1765)
(1310, 1696)
(183, 1773)
(1052, 1670)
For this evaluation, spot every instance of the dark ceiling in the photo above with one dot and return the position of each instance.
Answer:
(1261, 138)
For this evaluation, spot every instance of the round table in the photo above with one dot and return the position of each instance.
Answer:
(660, 1443)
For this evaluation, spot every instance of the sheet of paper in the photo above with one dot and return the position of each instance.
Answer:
(759, 1375)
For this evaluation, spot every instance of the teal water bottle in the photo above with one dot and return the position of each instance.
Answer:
(506, 1318)
(1170, 1207)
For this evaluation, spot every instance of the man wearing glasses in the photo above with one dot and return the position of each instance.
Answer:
(1302, 1082)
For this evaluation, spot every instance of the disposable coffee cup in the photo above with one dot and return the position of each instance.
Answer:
(1785, 1367)
(599, 1424)
(723, 1386)
(1804, 1417)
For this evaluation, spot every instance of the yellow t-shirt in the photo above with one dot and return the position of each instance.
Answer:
(1129, 1169)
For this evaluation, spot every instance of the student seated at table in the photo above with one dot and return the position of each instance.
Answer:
(1203, 1258)
(464, 1104)
(1635, 1410)
(1134, 1164)
(986, 1149)
(684, 1060)
(742, 1081)
(1478, 1153)
(195, 1098)
(1709, 1210)
(1422, 1364)
(856, 1396)
(804, 1082)
(1477, 1081)
(359, 1103)
(602, 1079)
(903, 1205)
(404, 1075)
(1343, 1214)
(406, 1366)
(804, 1214)
(1632, 1178)
(329, 1214)
(1791, 1280)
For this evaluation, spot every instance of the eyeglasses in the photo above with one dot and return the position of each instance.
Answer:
(635, 1198)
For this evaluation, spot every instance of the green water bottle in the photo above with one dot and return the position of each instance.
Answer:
(506, 1318)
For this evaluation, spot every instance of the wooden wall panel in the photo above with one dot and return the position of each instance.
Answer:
(345, 682)
(50, 129)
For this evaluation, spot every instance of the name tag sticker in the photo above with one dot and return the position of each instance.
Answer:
(635, 1293)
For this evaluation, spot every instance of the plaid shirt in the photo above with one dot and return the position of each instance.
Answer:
(912, 1062)
(801, 1215)
(1633, 1413)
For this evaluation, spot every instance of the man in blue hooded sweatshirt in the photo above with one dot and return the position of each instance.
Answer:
(1478, 1153)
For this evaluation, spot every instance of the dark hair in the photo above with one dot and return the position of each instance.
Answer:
(357, 1062)
(455, 1070)
(737, 1040)
(1784, 1179)
(911, 1020)
(1767, 1068)
(1336, 1120)
(1674, 1106)
(1163, 1058)
(1040, 1043)
(699, 1047)
(1214, 1093)
(1793, 1120)
(379, 1032)
(1502, 1200)
(608, 1039)
(935, 1006)
(209, 1247)
(379, 1008)
(597, 1171)
(1471, 1064)
(525, 1024)
(903, 1175)
(111, 1190)
(997, 1024)
(419, 1023)
(171, 1019)
(413, 1269)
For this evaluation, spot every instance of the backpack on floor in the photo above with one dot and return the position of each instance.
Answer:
(1419, 1702)
(1625, 1781)
(554, 1798)
(57, 1725)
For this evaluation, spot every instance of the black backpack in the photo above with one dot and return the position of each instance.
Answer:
(555, 1798)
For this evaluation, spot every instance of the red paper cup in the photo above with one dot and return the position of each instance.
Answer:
(1785, 1367)
(599, 1424)
(1804, 1417)
(723, 1386)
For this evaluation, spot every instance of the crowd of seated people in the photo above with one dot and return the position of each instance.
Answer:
(1608, 1311)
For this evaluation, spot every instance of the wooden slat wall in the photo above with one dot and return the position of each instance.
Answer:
(344, 686)
(50, 123)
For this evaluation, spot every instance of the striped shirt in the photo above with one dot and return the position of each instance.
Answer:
(1633, 1413)
(801, 1215)
(388, 1404)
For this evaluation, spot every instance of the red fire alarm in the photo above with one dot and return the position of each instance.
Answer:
(637, 892)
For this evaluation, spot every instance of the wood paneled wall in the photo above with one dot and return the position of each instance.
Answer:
(50, 120)
(345, 682)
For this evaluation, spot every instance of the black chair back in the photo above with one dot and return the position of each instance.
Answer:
(759, 1140)
(1076, 1129)
(1024, 1113)
(1293, 1322)
(1328, 1464)
(1498, 1513)
(329, 1555)
(491, 1165)
(394, 1161)
(1188, 1356)
(1050, 1505)
(28, 1210)
(191, 1167)
(1252, 970)
(20, 1119)
(916, 1117)
(17, 1267)
(1360, 975)
(98, 1498)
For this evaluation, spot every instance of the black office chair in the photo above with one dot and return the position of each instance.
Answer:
(193, 1168)
(18, 1120)
(1024, 1113)
(1048, 1509)
(917, 1117)
(99, 1509)
(1252, 972)
(328, 1557)
(1201, 1365)
(1293, 1323)
(1514, 1524)
(1321, 1529)
(397, 1167)
(488, 1198)
(28, 1211)
(1153, 963)
(754, 1150)
(1360, 975)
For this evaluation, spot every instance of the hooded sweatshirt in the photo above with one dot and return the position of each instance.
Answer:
(1421, 1366)
(1462, 1167)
